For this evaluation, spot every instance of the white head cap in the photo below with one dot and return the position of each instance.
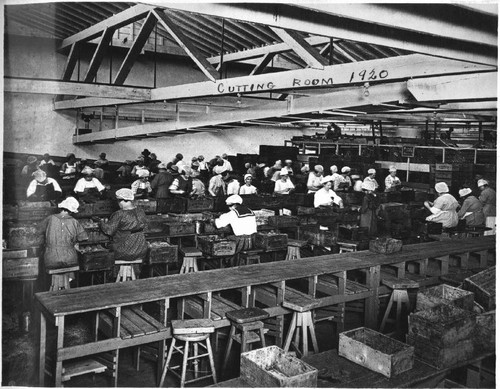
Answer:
(441, 187)
(326, 179)
(372, 171)
(284, 172)
(71, 204)
(143, 173)
(482, 182)
(392, 168)
(247, 175)
(334, 169)
(125, 194)
(346, 169)
(464, 192)
(234, 199)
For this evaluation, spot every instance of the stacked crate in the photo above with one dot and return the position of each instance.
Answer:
(453, 174)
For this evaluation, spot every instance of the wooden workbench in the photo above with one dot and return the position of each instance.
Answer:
(55, 306)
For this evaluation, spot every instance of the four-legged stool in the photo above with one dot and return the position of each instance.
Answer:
(61, 277)
(345, 247)
(399, 296)
(249, 257)
(248, 322)
(190, 257)
(126, 271)
(195, 332)
(293, 251)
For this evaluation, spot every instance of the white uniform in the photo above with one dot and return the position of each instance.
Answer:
(242, 223)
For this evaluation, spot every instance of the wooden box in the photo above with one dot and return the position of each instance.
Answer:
(252, 201)
(104, 207)
(186, 217)
(353, 233)
(443, 325)
(305, 210)
(444, 294)
(483, 285)
(431, 228)
(283, 221)
(273, 367)
(148, 206)
(317, 237)
(29, 214)
(24, 236)
(439, 356)
(376, 351)
(262, 216)
(392, 211)
(34, 204)
(270, 241)
(20, 267)
(173, 228)
(484, 335)
(294, 200)
(162, 252)
(9, 212)
(385, 245)
(14, 253)
(200, 204)
(273, 201)
(214, 246)
(177, 205)
(155, 223)
(85, 210)
(96, 260)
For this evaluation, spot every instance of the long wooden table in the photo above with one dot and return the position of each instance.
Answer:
(54, 306)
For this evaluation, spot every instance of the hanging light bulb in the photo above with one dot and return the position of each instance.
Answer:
(366, 92)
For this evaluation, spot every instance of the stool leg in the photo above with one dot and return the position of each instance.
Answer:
(195, 264)
(305, 340)
(228, 347)
(262, 338)
(291, 330)
(195, 361)
(244, 342)
(211, 359)
(387, 312)
(184, 364)
(310, 325)
(165, 367)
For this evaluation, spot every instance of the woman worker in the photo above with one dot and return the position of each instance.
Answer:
(392, 182)
(488, 198)
(126, 226)
(43, 188)
(444, 208)
(284, 185)
(326, 197)
(142, 187)
(88, 188)
(471, 209)
(369, 208)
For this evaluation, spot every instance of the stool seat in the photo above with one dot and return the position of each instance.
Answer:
(191, 337)
(247, 315)
(192, 326)
(296, 243)
(191, 252)
(63, 270)
(400, 283)
(300, 302)
(135, 262)
(252, 251)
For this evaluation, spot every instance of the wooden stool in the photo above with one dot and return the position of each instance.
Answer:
(189, 262)
(345, 247)
(126, 271)
(76, 368)
(60, 277)
(197, 332)
(302, 321)
(293, 251)
(248, 322)
(399, 296)
(249, 257)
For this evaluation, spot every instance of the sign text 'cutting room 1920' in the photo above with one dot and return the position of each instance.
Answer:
(362, 76)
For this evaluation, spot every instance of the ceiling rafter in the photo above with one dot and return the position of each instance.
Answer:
(99, 53)
(260, 67)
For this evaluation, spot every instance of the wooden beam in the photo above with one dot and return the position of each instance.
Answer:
(303, 49)
(130, 15)
(344, 53)
(455, 88)
(259, 68)
(317, 23)
(98, 56)
(340, 98)
(186, 44)
(135, 49)
(71, 61)
(18, 85)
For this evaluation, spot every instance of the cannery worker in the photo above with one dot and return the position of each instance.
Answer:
(183, 183)
(392, 182)
(371, 177)
(43, 188)
(369, 208)
(142, 187)
(444, 208)
(248, 188)
(314, 180)
(161, 184)
(343, 181)
(62, 234)
(126, 227)
(488, 198)
(88, 188)
(471, 209)
(326, 197)
(242, 221)
(284, 185)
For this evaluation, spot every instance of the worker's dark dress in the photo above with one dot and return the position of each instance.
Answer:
(368, 213)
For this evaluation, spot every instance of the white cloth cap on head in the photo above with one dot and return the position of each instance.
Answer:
(39, 175)
(304, 169)
(288, 161)
(334, 169)
(125, 194)
(87, 170)
(346, 169)
(355, 177)
(368, 185)
(464, 192)
(326, 179)
(234, 199)
(162, 166)
(31, 159)
(142, 173)
(71, 204)
(392, 169)
(319, 168)
(372, 171)
(284, 172)
(482, 182)
(247, 175)
(266, 170)
(441, 187)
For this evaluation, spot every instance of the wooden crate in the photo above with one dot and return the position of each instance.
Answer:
(306, 210)
(34, 204)
(20, 267)
(441, 357)
(484, 335)
(270, 241)
(273, 367)
(354, 198)
(162, 252)
(173, 228)
(186, 217)
(104, 207)
(9, 212)
(385, 245)
(34, 214)
(215, 246)
(262, 216)
(96, 260)
(376, 351)
(443, 325)
(392, 211)
(24, 236)
(483, 285)
(85, 210)
(353, 233)
(444, 294)
(200, 204)
(177, 205)
(155, 223)
(14, 253)
(280, 221)
(148, 206)
(317, 237)
(432, 228)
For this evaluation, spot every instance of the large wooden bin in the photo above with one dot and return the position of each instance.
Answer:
(215, 246)
(99, 259)
(270, 241)
(376, 351)
(385, 245)
(162, 252)
(444, 294)
(272, 367)
(20, 267)
(483, 285)
(173, 228)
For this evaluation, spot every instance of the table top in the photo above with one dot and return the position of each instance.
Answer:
(97, 297)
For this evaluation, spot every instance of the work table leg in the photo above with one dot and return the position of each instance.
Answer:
(60, 341)
(42, 349)
(372, 303)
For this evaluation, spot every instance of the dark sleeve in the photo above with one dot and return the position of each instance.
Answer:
(154, 183)
(111, 226)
